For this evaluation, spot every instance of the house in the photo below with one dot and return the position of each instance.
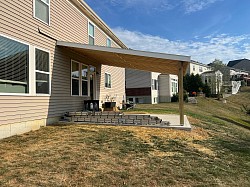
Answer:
(142, 86)
(197, 68)
(168, 87)
(241, 64)
(153, 88)
(57, 54)
(214, 80)
(150, 87)
(240, 76)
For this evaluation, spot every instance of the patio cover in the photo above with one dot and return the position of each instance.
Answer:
(134, 59)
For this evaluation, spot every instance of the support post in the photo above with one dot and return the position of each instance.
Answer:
(181, 102)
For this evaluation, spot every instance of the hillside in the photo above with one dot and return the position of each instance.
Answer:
(215, 153)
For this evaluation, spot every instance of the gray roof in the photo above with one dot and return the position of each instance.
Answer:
(242, 64)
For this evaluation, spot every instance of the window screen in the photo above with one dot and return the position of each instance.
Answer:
(91, 34)
(42, 10)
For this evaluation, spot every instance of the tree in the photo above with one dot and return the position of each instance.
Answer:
(193, 83)
(218, 65)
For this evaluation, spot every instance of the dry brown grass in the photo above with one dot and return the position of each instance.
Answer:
(215, 153)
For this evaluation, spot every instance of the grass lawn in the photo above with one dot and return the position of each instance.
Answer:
(215, 153)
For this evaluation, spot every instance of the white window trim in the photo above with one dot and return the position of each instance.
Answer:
(89, 22)
(30, 66)
(105, 80)
(34, 9)
(79, 79)
(44, 72)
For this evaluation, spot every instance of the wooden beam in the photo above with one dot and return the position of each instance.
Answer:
(181, 102)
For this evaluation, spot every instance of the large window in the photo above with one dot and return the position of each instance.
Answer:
(42, 10)
(91, 34)
(75, 75)
(107, 80)
(80, 79)
(14, 63)
(42, 72)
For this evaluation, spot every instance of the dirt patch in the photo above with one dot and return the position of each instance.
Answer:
(194, 120)
(201, 148)
(157, 153)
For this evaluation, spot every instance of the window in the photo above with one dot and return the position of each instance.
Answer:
(174, 86)
(200, 69)
(14, 63)
(155, 99)
(75, 74)
(84, 80)
(107, 80)
(108, 42)
(42, 72)
(91, 34)
(80, 78)
(42, 10)
(154, 84)
(193, 67)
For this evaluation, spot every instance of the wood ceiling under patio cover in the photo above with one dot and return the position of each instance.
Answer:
(127, 58)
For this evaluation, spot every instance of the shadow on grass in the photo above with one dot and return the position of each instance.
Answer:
(234, 122)
(246, 121)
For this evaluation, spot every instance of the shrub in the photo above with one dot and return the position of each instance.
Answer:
(175, 97)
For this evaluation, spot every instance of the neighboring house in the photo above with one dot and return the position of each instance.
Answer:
(168, 86)
(54, 55)
(214, 80)
(241, 64)
(197, 68)
(142, 86)
(150, 87)
(238, 78)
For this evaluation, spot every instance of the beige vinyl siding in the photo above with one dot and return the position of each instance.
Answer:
(117, 84)
(100, 38)
(113, 44)
(23, 108)
(18, 19)
(66, 24)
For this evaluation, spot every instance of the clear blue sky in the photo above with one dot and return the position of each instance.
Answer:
(202, 29)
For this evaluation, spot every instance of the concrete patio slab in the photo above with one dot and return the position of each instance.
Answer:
(174, 121)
